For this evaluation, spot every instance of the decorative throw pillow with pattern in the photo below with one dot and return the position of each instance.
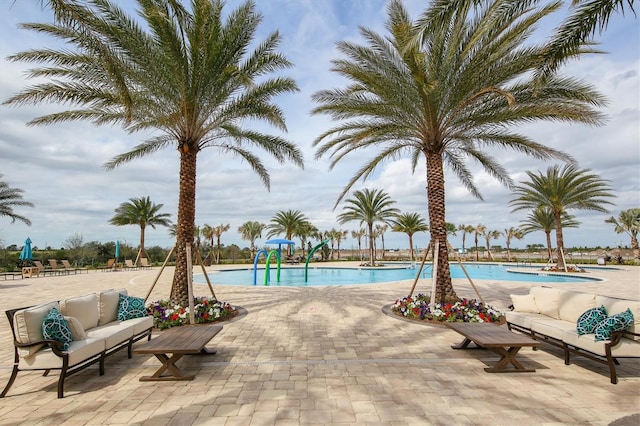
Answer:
(588, 321)
(617, 322)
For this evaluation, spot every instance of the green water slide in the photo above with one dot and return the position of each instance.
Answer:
(309, 257)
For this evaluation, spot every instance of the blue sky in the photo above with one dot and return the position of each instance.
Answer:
(59, 166)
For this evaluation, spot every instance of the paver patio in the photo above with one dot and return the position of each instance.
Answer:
(321, 355)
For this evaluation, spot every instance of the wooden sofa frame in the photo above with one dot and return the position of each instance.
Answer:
(66, 370)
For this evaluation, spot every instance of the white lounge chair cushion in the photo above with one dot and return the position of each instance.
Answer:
(85, 308)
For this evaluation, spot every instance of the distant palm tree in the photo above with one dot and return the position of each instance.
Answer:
(561, 189)
(340, 235)
(410, 224)
(251, 231)
(357, 235)
(9, 198)
(207, 232)
(541, 219)
(217, 232)
(466, 229)
(480, 229)
(380, 230)
(628, 222)
(305, 231)
(488, 236)
(369, 206)
(194, 75)
(142, 212)
(287, 223)
(509, 234)
(446, 88)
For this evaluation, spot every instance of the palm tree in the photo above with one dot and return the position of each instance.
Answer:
(9, 198)
(142, 212)
(561, 189)
(217, 232)
(357, 235)
(369, 206)
(380, 230)
(251, 231)
(207, 232)
(193, 75)
(287, 223)
(509, 234)
(409, 223)
(488, 236)
(629, 222)
(305, 231)
(447, 87)
(466, 229)
(340, 235)
(480, 229)
(541, 219)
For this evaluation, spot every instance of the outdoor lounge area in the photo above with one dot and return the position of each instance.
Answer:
(322, 355)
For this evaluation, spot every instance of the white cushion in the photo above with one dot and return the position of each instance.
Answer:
(523, 319)
(139, 325)
(552, 327)
(85, 308)
(79, 351)
(113, 333)
(76, 328)
(524, 303)
(109, 305)
(615, 306)
(574, 304)
(625, 348)
(547, 301)
(27, 324)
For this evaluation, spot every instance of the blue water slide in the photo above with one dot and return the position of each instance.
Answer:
(255, 265)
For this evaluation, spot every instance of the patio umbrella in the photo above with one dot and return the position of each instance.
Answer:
(117, 249)
(26, 253)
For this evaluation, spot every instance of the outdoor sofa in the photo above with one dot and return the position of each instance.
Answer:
(598, 327)
(95, 326)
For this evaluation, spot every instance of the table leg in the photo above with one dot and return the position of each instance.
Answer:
(464, 345)
(508, 356)
(168, 363)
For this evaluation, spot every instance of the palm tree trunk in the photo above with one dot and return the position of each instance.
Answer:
(438, 227)
(559, 241)
(372, 256)
(549, 248)
(142, 250)
(411, 246)
(185, 225)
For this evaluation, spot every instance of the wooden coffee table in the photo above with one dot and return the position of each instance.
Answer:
(177, 341)
(497, 339)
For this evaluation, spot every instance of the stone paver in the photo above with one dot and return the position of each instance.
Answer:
(320, 356)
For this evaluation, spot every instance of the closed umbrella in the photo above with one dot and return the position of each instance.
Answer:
(26, 253)
(117, 249)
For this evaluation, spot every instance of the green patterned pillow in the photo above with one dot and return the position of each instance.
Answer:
(55, 327)
(130, 307)
(588, 321)
(617, 322)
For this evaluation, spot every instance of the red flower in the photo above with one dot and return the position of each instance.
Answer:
(174, 317)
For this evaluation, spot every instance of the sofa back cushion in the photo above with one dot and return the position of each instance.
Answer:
(109, 305)
(524, 303)
(84, 308)
(616, 306)
(27, 325)
(573, 304)
(548, 301)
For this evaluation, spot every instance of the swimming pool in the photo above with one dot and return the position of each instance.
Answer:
(319, 276)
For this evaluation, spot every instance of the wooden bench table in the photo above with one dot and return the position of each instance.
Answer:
(498, 339)
(177, 341)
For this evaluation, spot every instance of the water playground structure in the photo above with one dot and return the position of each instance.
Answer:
(278, 255)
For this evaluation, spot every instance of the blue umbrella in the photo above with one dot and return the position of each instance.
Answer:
(26, 253)
(117, 249)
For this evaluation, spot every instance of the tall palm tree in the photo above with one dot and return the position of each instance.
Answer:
(357, 235)
(466, 229)
(510, 234)
(10, 198)
(480, 229)
(193, 75)
(447, 87)
(305, 231)
(380, 230)
(217, 232)
(628, 222)
(251, 231)
(340, 235)
(541, 219)
(287, 223)
(561, 189)
(410, 224)
(142, 212)
(369, 206)
(488, 236)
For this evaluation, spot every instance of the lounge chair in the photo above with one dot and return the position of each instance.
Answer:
(59, 268)
(144, 263)
(111, 266)
(44, 271)
(128, 264)
(68, 266)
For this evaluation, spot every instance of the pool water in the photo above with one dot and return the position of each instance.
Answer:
(319, 276)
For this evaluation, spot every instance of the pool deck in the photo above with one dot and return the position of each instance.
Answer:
(322, 356)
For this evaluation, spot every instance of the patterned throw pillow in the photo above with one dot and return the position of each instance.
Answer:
(588, 321)
(55, 327)
(617, 322)
(130, 307)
